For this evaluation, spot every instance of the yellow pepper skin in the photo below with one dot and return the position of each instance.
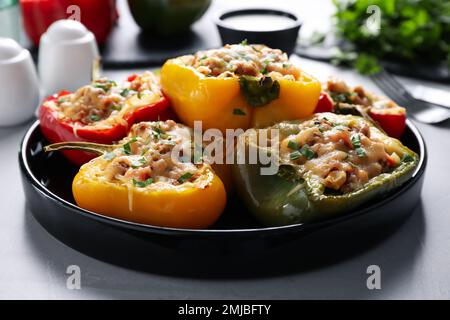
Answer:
(214, 100)
(297, 100)
(188, 205)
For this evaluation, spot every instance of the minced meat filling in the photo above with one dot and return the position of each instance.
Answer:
(243, 59)
(342, 152)
(104, 98)
(146, 157)
(341, 93)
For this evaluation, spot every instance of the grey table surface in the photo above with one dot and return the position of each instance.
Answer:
(414, 260)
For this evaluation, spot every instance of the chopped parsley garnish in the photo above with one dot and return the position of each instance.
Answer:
(341, 97)
(61, 100)
(407, 158)
(356, 141)
(203, 57)
(142, 184)
(303, 151)
(244, 42)
(239, 112)
(185, 177)
(125, 92)
(295, 155)
(109, 156)
(293, 145)
(104, 87)
(94, 117)
(286, 65)
(157, 132)
(116, 107)
(307, 152)
(360, 152)
(265, 64)
(256, 49)
(127, 146)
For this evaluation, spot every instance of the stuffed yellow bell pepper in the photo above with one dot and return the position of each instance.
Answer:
(150, 177)
(238, 86)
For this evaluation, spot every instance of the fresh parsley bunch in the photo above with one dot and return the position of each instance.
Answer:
(410, 30)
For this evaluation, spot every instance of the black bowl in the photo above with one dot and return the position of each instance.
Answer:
(284, 39)
(167, 18)
(235, 246)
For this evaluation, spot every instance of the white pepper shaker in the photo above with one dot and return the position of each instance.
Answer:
(19, 85)
(67, 54)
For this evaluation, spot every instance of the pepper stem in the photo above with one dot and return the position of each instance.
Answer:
(96, 148)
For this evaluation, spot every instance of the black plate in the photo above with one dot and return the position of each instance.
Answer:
(235, 246)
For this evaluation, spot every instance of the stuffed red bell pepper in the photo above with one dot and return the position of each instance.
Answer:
(102, 112)
(390, 116)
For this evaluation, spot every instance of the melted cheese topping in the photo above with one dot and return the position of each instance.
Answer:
(154, 155)
(242, 59)
(103, 104)
(342, 152)
(341, 93)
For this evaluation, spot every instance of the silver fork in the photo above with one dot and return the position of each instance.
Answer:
(420, 110)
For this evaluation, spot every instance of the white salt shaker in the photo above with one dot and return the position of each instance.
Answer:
(67, 54)
(19, 85)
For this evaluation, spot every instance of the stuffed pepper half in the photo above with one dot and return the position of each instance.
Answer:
(238, 86)
(102, 112)
(150, 178)
(338, 96)
(328, 164)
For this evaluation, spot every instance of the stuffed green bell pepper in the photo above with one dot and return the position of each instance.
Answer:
(327, 164)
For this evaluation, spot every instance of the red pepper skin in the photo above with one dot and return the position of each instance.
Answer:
(98, 16)
(38, 15)
(132, 77)
(56, 130)
(325, 103)
(393, 123)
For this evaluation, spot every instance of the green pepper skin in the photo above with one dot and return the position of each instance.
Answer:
(259, 91)
(277, 200)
